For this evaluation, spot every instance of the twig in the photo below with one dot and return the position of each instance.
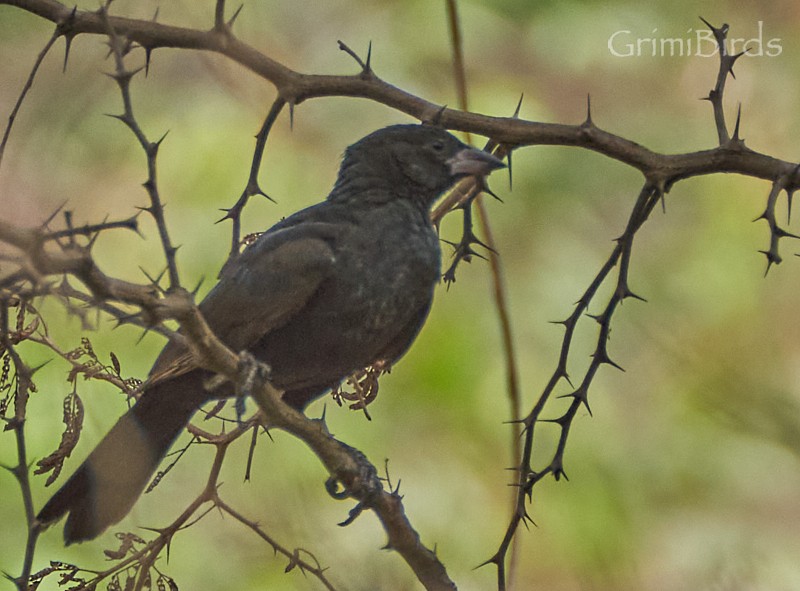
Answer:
(27, 86)
(498, 283)
(295, 88)
(252, 187)
(353, 471)
(295, 561)
(123, 78)
(726, 62)
(24, 386)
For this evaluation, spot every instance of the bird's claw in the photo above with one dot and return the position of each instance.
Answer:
(253, 374)
(363, 484)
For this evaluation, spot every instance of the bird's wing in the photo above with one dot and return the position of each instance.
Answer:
(270, 282)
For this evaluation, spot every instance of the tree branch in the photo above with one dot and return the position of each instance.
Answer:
(294, 88)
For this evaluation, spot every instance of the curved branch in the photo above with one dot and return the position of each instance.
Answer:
(295, 87)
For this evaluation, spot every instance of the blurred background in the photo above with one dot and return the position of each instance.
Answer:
(687, 474)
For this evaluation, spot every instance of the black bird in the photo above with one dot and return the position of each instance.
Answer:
(327, 291)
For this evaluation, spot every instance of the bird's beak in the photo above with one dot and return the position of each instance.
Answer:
(473, 162)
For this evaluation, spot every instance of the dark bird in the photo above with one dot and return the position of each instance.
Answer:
(329, 290)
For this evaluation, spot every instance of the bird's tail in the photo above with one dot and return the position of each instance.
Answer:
(107, 484)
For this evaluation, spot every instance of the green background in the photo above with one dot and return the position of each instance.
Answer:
(686, 477)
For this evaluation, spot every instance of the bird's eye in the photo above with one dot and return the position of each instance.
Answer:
(438, 146)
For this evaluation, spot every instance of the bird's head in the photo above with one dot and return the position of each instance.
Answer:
(418, 162)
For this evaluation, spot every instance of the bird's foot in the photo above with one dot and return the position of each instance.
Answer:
(362, 483)
(253, 374)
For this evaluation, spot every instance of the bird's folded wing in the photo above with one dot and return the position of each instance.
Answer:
(265, 287)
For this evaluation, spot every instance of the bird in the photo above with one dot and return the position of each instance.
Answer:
(327, 291)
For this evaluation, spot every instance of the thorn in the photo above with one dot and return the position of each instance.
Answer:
(449, 242)
(148, 52)
(528, 520)
(732, 60)
(449, 276)
(291, 115)
(493, 560)
(40, 366)
(773, 258)
(708, 24)
(781, 233)
(67, 46)
(122, 117)
(558, 473)
(602, 357)
(235, 15)
(228, 215)
(52, 216)
(264, 195)
(514, 422)
(92, 241)
(155, 281)
(561, 421)
(437, 117)
(64, 28)
(124, 77)
(161, 139)
(588, 122)
(471, 253)
(475, 240)
(735, 137)
(582, 395)
(519, 106)
(625, 293)
(365, 66)
(141, 336)
(484, 187)
(510, 178)
(596, 317)
(197, 287)
(663, 199)
(723, 30)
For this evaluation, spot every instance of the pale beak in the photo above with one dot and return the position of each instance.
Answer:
(473, 162)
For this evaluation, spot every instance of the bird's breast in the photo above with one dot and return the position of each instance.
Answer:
(385, 272)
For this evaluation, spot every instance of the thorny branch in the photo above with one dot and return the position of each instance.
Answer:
(294, 88)
(44, 254)
(349, 469)
(498, 282)
(653, 192)
(252, 187)
(21, 386)
(123, 77)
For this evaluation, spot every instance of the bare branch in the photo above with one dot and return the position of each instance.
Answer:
(252, 187)
(28, 84)
(352, 470)
(123, 78)
(295, 88)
